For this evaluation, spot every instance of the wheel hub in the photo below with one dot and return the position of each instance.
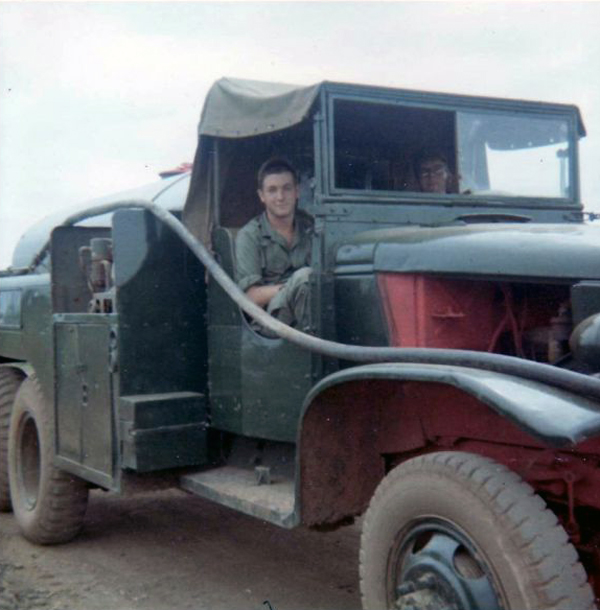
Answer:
(438, 568)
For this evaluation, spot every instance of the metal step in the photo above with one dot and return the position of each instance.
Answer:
(238, 488)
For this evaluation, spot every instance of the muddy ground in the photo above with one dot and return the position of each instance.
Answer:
(169, 550)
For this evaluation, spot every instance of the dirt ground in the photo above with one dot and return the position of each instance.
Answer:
(169, 550)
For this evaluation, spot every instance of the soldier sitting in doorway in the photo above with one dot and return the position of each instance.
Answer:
(273, 250)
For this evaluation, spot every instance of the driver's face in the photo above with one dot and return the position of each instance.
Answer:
(433, 176)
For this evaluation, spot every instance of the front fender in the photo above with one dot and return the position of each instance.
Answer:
(556, 417)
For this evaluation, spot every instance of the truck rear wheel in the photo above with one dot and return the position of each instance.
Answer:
(457, 530)
(49, 504)
(10, 380)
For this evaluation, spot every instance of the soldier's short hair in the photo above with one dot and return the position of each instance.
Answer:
(275, 165)
(429, 154)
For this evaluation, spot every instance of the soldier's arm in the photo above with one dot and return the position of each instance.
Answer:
(249, 272)
(262, 295)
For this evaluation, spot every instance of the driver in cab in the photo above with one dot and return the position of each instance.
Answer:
(433, 174)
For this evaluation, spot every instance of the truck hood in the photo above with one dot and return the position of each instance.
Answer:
(548, 251)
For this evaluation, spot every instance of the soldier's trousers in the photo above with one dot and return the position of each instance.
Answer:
(291, 304)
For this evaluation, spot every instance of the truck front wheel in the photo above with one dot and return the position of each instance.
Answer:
(49, 504)
(457, 530)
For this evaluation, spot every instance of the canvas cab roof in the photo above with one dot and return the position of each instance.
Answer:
(240, 116)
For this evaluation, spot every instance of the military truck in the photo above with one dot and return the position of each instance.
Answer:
(448, 388)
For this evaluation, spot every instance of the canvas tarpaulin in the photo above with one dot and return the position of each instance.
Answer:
(240, 108)
(237, 109)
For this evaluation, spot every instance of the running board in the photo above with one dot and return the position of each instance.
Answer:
(238, 488)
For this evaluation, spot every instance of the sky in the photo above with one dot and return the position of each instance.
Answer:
(98, 97)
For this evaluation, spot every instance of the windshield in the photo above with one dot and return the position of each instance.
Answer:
(402, 148)
(513, 156)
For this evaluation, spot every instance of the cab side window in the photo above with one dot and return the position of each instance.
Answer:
(376, 144)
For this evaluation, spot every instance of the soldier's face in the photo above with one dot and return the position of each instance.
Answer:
(433, 176)
(279, 194)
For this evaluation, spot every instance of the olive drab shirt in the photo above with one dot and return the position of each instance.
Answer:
(264, 258)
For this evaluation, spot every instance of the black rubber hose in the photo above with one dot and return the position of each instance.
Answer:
(509, 365)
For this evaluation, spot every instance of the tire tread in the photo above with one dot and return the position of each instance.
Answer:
(10, 380)
(61, 506)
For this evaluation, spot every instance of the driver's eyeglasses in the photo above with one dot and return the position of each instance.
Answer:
(434, 170)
